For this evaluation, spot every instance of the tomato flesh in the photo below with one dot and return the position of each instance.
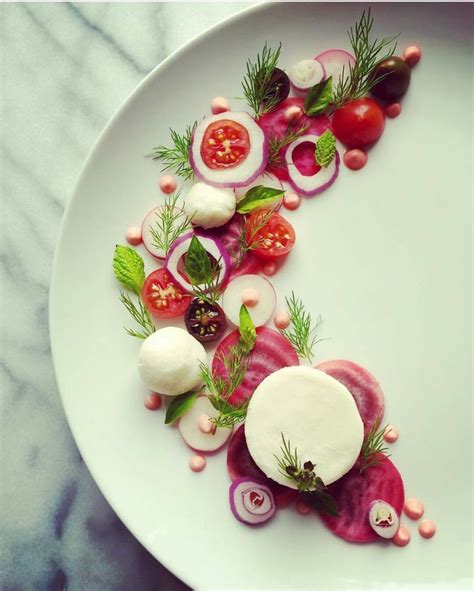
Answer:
(225, 144)
(276, 238)
(358, 123)
(163, 297)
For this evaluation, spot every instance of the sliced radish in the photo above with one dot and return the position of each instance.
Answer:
(267, 180)
(251, 502)
(264, 304)
(194, 436)
(305, 175)
(240, 464)
(272, 351)
(383, 519)
(213, 246)
(354, 494)
(149, 222)
(245, 171)
(334, 61)
(305, 74)
(363, 386)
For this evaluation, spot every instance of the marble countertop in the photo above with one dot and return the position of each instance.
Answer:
(65, 68)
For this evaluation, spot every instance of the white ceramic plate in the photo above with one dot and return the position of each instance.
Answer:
(383, 256)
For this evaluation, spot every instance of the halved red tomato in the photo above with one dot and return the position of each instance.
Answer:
(225, 144)
(270, 238)
(163, 297)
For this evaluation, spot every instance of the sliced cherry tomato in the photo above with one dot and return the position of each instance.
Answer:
(225, 144)
(358, 123)
(163, 297)
(273, 239)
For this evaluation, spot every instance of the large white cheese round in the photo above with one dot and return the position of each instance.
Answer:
(315, 412)
(169, 361)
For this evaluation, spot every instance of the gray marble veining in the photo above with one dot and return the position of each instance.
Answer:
(65, 68)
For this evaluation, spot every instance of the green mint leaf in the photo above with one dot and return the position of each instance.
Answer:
(129, 268)
(179, 406)
(318, 98)
(248, 333)
(321, 501)
(258, 196)
(325, 149)
(197, 263)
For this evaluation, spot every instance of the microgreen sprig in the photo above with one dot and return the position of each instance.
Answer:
(170, 223)
(301, 333)
(255, 85)
(176, 158)
(373, 449)
(276, 144)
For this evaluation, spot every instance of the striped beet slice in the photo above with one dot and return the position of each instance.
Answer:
(365, 389)
(354, 493)
(271, 352)
(240, 464)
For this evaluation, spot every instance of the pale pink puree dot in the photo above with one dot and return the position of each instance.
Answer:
(391, 434)
(393, 110)
(412, 55)
(219, 104)
(282, 319)
(133, 235)
(293, 114)
(204, 424)
(402, 537)
(168, 184)
(302, 508)
(270, 269)
(355, 159)
(197, 463)
(250, 297)
(427, 529)
(291, 201)
(153, 402)
(413, 508)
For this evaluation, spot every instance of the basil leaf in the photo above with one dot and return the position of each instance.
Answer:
(197, 263)
(179, 406)
(325, 149)
(321, 501)
(248, 333)
(129, 268)
(258, 196)
(318, 98)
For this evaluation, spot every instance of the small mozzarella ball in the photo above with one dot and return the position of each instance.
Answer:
(204, 424)
(153, 401)
(293, 114)
(393, 110)
(169, 361)
(427, 529)
(133, 235)
(282, 320)
(168, 184)
(291, 201)
(413, 508)
(355, 159)
(302, 507)
(270, 269)
(402, 537)
(391, 434)
(250, 297)
(219, 104)
(412, 55)
(209, 207)
(197, 463)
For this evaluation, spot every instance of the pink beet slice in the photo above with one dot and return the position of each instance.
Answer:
(274, 124)
(240, 464)
(365, 389)
(354, 493)
(271, 352)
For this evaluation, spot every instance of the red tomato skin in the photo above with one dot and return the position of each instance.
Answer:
(358, 123)
(272, 253)
(175, 308)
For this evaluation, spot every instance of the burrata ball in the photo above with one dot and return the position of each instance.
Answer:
(169, 361)
(209, 207)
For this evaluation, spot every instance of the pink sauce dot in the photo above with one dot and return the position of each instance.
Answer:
(168, 184)
(355, 159)
(282, 319)
(250, 297)
(133, 235)
(412, 55)
(204, 424)
(427, 529)
(391, 434)
(293, 114)
(291, 201)
(270, 269)
(197, 463)
(413, 508)
(302, 507)
(393, 110)
(402, 537)
(219, 104)
(153, 402)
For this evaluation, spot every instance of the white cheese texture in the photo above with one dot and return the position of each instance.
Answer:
(315, 413)
(209, 207)
(168, 361)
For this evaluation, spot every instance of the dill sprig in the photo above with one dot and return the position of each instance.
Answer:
(255, 85)
(176, 158)
(373, 450)
(248, 239)
(140, 314)
(171, 222)
(301, 333)
(289, 465)
(359, 79)
(276, 144)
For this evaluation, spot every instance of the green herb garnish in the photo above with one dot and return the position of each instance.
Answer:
(301, 333)
(257, 197)
(318, 98)
(204, 273)
(179, 406)
(176, 158)
(170, 223)
(140, 314)
(325, 149)
(256, 83)
(276, 144)
(373, 449)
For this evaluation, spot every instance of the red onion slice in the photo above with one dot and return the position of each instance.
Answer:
(251, 502)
